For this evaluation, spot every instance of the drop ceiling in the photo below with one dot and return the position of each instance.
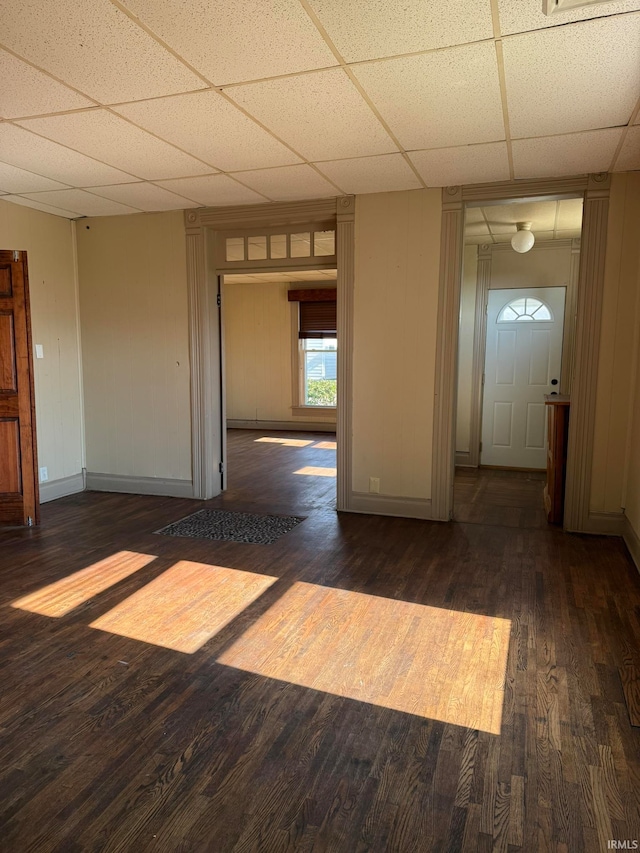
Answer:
(550, 220)
(112, 107)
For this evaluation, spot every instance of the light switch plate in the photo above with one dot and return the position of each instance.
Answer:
(39, 351)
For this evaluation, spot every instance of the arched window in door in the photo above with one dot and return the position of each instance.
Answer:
(525, 310)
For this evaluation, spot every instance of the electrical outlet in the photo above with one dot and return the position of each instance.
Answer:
(44, 475)
(374, 485)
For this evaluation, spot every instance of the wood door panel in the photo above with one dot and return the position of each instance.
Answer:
(10, 473)
(5, 280)
(8, 372)
(19, 491)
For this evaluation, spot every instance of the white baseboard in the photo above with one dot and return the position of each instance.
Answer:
(291, 426)
(463, 459)
(390, 505)
(632, 541)
(605, 523)
(51, 490)
(139, 485)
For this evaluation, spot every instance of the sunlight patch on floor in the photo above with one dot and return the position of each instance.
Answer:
(325, 445)
(185, 606)
(441, 664)
(315, 471)
(61, 597)
(289, 442)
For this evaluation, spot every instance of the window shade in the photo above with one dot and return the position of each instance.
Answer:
(318, 320)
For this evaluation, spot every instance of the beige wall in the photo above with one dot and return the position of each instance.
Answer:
(258, 353)
(135, 334)
(546, 265)
(397, 258)
(48, 241)
(620, 319)
(465, 347)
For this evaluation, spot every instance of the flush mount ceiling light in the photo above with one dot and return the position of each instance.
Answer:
(523, 239)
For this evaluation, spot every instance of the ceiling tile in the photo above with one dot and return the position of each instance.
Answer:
(243, 40)
(288, 183)
(502, 218)
(476, 229)
(472, 240)
(144, 196)
(574, 154)
(26, 91)
(93, 46)
(568, 234)
(379, 174)
(14, 180)
(569, 214)
(450, 97)
(37, 205)
(629, 156)
(322, 115)
(82, 202)
(24, 149)
(466, 164)
(473, 215)
(362, 29)
(543, 236)
(213, 190)
(519, 16)
(113, 140)
(209, 127)
(569, 78)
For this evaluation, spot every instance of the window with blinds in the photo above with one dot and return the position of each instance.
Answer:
(317, 320)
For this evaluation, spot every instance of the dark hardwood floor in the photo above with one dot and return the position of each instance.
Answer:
(494, 496)
(365, 683)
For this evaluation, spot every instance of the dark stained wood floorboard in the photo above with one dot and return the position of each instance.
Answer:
(113, 744)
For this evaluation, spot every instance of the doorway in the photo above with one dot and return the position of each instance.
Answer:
(516, 333)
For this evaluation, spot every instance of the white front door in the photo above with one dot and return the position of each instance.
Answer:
(523, 358)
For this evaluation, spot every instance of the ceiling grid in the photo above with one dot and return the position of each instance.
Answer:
(119, 106)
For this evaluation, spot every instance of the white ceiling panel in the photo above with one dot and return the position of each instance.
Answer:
(502, 218)
(629, 157)
(213, 190)
(241, 40)
(366, 29)
(38, 205)
(288, 183)
(322, 115)
(24, 149)
(147, 197)
(476, 229)
(568, 78)
(466, 164)
(519, 16)
(209, 127)
(379, 174)
(576, 153)
(26, 91)
(100, 134)
(569, 214)
(14, 180)
(82, 202)
(568, 234)
(94, 47)
(450, 97)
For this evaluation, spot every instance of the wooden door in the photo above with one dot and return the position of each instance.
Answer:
(522, 364)
(19, 494)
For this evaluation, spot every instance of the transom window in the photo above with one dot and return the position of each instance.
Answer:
(525, 310)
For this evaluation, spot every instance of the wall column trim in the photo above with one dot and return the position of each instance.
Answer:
(444, 408)
(483, 280)
(345, 243)
(587, 348)
(202, 378)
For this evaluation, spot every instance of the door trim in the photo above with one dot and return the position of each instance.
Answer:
(595, 190)
(203, 267)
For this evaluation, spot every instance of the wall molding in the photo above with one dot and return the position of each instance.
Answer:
(483, 280)
(364, 502)
(632, 541)
(345, 245)
(283, 426)
(267, 215)
(51, 490)
(463, 458)
(161, 486)
(605, 523)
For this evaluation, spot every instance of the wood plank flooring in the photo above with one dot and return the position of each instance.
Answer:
(110, 743)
